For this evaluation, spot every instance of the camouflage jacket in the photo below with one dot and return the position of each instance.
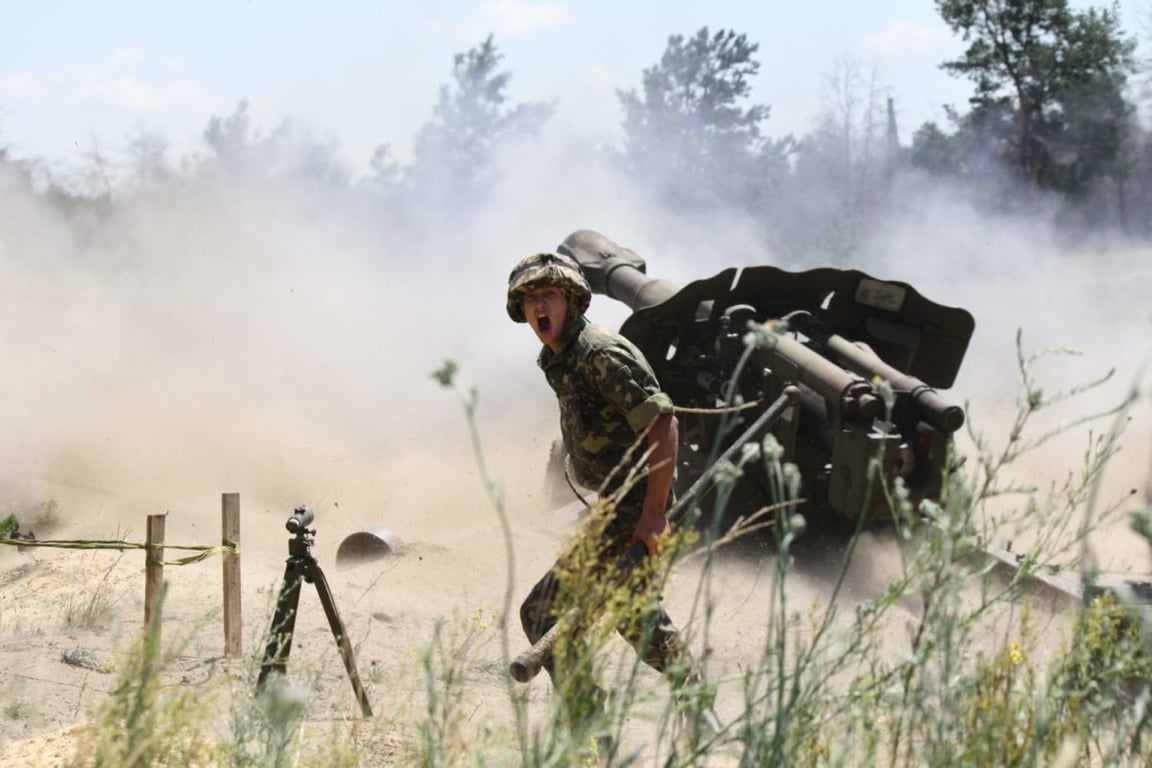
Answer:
(608, 395)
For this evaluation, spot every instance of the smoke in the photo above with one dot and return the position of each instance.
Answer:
(270, 339)
(276, 338)
(1078, 307)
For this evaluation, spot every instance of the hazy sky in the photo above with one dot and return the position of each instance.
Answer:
(367, 73)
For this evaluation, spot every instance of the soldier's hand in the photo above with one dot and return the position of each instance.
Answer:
(653, 523)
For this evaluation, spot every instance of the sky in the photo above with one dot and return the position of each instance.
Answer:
(362, 74)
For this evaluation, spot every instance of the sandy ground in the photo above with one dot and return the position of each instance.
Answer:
(447, 581)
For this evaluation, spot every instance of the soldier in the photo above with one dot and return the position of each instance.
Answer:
(608, 397)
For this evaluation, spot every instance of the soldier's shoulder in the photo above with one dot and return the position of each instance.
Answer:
(598, 338)
(599, 335)
(598, 342)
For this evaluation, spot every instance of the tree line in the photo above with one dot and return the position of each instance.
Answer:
(1050, 126)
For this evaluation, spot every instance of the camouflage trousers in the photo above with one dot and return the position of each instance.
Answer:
(652, 634)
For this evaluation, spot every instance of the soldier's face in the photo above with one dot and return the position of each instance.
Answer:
(546, 309)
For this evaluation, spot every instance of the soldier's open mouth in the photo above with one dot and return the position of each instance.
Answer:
(544, 323)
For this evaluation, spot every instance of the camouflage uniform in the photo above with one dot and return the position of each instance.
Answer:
(608, 395)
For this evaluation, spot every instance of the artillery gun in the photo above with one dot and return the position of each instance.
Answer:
(832, 337)
(845, 375)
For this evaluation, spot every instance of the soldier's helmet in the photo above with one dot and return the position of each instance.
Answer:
(547, 269)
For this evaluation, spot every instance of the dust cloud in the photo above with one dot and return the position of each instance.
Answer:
(277, 339)
(272, 341)
(1079, 309)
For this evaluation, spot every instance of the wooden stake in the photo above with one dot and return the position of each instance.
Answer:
(230, 536)
(154, 570)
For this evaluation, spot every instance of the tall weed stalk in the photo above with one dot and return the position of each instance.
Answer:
(953, 662)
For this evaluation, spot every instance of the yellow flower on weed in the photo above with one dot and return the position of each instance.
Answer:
(1015, 654)
(589, 754)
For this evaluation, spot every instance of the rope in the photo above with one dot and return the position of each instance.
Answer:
(203, 553)
(726, 409)
(677, 409)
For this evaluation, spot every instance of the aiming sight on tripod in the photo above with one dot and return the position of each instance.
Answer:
(301, 567)
(302, 517)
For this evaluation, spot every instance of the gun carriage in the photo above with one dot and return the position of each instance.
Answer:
(832, 334)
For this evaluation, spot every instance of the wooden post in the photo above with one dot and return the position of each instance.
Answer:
(230, 536)
(154, 571)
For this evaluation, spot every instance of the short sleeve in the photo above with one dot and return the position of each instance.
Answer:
(630, 386)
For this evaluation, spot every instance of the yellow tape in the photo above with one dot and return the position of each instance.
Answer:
(204, 552)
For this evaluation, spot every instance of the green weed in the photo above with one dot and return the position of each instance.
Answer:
(97, 610)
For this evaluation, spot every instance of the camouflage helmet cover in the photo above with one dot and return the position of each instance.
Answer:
(546, 269)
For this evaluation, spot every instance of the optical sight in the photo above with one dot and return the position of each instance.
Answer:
(302, 517)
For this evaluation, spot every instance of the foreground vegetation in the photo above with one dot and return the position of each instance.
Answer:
(970, 680)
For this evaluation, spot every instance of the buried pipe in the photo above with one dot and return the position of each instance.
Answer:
(367, 546)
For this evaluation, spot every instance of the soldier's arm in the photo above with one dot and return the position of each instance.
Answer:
(628, 384)
(664, 441)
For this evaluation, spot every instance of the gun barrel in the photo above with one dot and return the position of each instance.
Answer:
(845, 394)
(936, 410)
(615, 271)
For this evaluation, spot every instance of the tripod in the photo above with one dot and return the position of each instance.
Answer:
(301, 567)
